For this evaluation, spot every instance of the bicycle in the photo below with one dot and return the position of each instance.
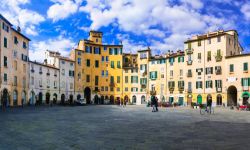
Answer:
(206, 109)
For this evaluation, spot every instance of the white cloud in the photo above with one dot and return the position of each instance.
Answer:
(61, 44)
(245, 9)
(62, 9)
(25, 18)
(157, 18)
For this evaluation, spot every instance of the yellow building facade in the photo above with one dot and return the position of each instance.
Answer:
(98, 69)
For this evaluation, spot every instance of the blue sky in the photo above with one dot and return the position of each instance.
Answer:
(160, 24)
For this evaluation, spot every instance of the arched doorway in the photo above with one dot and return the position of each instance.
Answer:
(5, 98)
(96, 99)
(54, 98)
(219, 100)
(23, 97)
(15, 96)
(209, 97)
(62, 99)
(134, 99)
(47, 97)
(118, 100)
(199, 99)
(143, 99)
(40, 98)
(32, 98)
(78, 97)
(102, 99)
(87, 95)
(112, 99)
(71, 98)
(245, 97)
(232, 96)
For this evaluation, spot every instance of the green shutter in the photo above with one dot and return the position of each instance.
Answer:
(242, 82)
(179, 59)
(155, 75)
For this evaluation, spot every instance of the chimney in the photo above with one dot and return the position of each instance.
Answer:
(18, 29)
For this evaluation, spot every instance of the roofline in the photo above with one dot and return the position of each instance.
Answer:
(20, 34)
(240, 55)
(2, 17)
(41, 64)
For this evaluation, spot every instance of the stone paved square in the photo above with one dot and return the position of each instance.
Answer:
(114, 127)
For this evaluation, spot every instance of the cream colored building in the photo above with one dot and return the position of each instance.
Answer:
(43, 84)
(14, 55)
(66, 75)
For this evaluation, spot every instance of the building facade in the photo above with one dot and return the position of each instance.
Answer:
(99, 69)
(66, 76)
(14, 53)
(44, 84)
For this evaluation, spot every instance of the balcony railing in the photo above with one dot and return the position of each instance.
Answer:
(171, 88)
(189, 51)
(189, 62)
(181, 88)
(218, 58)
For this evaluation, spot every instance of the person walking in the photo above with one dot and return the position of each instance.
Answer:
(153, 103)
(209, 105)
(156, 104)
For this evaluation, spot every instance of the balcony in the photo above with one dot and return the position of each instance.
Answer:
(189, 62)
(181, 88)
(189, 51)
(171, 88)
(189, 74)
(218, 58)
(143, 86)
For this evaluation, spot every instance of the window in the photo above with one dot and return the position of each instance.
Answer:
(118, 64)
(102, 73)
(189, 86)
(15, 40)
(181, 72)
(5, 77)
(96, 63)
(112, 79)
(181, 59)
(198, 84)
(24, 45)
(87, 78)
(5, 42)
(171, 73)
(97, 50)
(106, 88)
(96, 80)
(63, 72)
(79, 61)
(48, 83)
(209, 70)
(171, 84)
(209, 84)
(143, 55)
(218, 83)
(24, 67)
(180, 84)
(118, 89)
(15, 65)
(153, 75)
(63, 62)
(245, 82)
(189, 57)
(111, 51)
(88, 49)
(96, 40)
(126, 79)
(115, 51)
(103, 58)
(104, 48)
(199, 43)
(55, 84)
(118, 79)
(112, 64)
(231, 68)
(134, 79)
(126, 89)
(15, 80)
(107, 73)
(245, 66)
(219, 39)
(209, 56)
(5, 27)
(88, 62)
(32, 80)
(199, 71)
(143, 81)
(199, 56)
(107, 58)
(79, 53)
(15, 54)
(209, 41)
(71, 73)
(5, 61)
(189, 46)
(171, 61)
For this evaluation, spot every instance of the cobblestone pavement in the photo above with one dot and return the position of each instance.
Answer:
(114, 127)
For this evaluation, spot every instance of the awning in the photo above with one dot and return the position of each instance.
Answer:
(245, 94)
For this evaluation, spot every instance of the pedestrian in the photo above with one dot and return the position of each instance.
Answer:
(125, 102)
(3, 104)
(153, 103)
(156, 104)
(22, 102)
